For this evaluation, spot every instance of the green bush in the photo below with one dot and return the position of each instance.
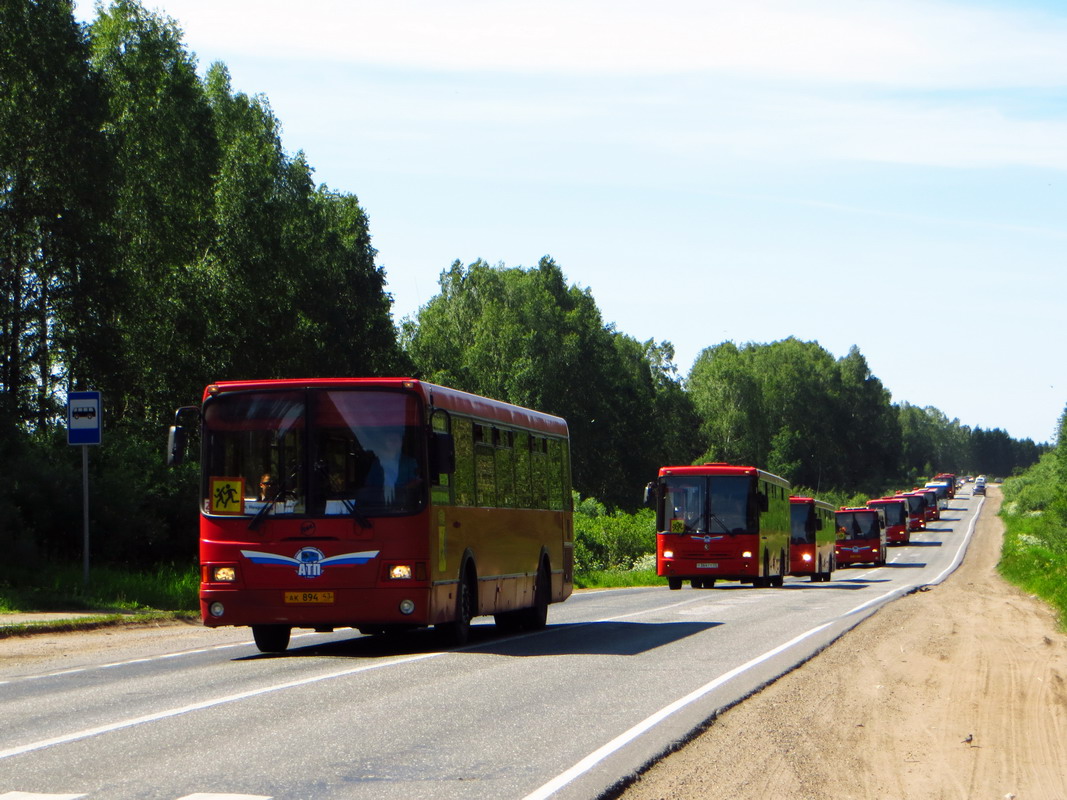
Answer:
(1034, 554)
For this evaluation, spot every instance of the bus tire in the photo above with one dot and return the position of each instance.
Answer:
(457, 632)
(674, 584)
(535, 617)
(271, 638)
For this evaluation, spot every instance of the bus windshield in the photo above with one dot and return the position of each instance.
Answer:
(710, 504)
(858, 524)
(895, 513)
(313, 452)
(802, 518)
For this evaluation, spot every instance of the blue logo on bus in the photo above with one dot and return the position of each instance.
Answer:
(309, 561)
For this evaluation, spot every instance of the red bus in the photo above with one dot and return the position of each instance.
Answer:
(950, 479)
(897, 529)
(933, 510)
(916, 510)
(721, 522)
(860, 536)
(811, 543)
(380, 504)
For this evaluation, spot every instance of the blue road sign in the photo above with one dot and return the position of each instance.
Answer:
(84, 418)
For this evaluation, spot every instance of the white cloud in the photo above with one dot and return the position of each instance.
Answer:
(904, 43)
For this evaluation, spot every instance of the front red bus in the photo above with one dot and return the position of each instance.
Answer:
(897, 530)
(721, 522)
(811, 542)
(860, 536)
(379, 504)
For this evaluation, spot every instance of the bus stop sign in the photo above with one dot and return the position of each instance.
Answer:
(84, 418)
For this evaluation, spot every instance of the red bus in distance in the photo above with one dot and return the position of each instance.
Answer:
(812, 538)
(916, 510)
(860, 536)
(721, 522)
(897, 529)
(380, 504)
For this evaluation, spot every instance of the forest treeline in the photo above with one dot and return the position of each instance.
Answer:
(156, 236)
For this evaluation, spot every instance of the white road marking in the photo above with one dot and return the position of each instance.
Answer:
(218, 701)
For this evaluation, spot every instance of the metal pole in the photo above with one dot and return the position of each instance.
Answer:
(85, 511)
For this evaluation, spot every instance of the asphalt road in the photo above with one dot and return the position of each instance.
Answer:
(616, 679)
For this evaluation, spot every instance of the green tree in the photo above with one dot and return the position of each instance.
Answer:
(54, 268)
(165, 156)
(524, 336)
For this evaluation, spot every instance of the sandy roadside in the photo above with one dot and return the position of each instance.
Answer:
(955, 692)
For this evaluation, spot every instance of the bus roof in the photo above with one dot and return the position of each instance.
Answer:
(434, 395)
(811, 501)
(722, 469)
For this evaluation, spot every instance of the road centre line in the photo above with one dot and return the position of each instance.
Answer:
(625, 738)
(150, 659)
(218, 701)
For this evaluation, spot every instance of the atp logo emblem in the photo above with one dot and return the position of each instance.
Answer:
(309, 561)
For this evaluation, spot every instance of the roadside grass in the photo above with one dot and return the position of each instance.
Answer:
(618, 579)
(1034, 554)
(61, 587)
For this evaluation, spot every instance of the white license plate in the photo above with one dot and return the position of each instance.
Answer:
(708, 565)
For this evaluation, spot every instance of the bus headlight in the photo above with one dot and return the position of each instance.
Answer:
(216, 609)
(407, 606)
(400, 572)
(224, 574)
(807, 556)
(747, 554)
(668, 554)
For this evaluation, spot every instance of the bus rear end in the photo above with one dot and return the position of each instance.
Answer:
(860, 536)
(811, 543)
(721, 522)
(897, 530)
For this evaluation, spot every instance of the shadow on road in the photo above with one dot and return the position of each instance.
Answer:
(591, 638)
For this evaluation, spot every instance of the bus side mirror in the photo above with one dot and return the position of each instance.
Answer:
(818, 524)
(176, 443)
(442, 453)
(650, 494)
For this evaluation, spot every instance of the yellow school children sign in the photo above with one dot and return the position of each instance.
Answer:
(227, 496)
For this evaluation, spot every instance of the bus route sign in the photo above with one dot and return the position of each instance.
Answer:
(84, 418)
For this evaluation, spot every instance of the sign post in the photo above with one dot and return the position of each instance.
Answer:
(84, 424)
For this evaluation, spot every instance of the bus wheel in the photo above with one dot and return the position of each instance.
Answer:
(536, 617)
(777, 580)
(271, 638)
(458, 631)
(707, 583)
(674, 583)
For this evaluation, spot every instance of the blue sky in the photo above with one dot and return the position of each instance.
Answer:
(886, 174)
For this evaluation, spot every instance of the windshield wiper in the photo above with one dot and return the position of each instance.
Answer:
(721, 523)
(350, 506)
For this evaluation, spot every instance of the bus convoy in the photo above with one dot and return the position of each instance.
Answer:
(387, 504)
(739, 523)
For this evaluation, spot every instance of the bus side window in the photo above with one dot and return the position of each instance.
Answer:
(463, 439)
